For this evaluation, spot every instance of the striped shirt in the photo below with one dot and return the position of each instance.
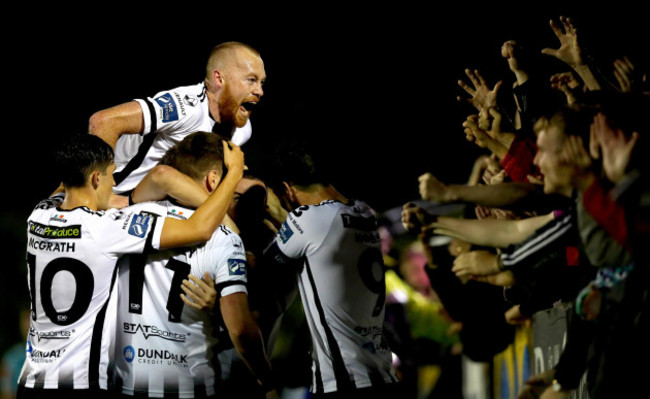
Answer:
(343, 290)
(163, 348)
(168, 117)
(71, 258)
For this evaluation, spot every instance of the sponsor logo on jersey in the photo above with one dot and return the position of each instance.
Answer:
(179, 214)
(117, 215)
(153, 331)
(285, 232)
(62, 334)
(39, 356)
(192, 101)
(55, 233)
(169, 110)
(139, 225)
(236, 267)
(236, 242)
(155, 356)
(129, 354)
(58, 218)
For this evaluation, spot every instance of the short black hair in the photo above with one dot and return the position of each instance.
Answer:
(300, 162)
(78, 156)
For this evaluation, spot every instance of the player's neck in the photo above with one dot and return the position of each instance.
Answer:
(213, 105)
(317, 193)
(78, 197)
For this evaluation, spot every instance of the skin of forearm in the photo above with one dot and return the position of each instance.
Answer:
(250, 346)
(205, 220)
(490, 232)
(501, 195)
(496, 147)
(587, 76)
(163, 181)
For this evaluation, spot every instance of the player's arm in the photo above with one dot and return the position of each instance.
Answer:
(110, 123)
(246, 336)
(162, 181)
(490, 232)
(207, 217)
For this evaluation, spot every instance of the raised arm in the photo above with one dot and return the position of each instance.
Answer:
(163, 181)
(109, 124)
(571, 53)
(501, 195)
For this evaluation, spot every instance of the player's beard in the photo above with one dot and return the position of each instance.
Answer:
(229, 109)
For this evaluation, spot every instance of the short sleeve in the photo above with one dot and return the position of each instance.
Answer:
(302, 231)
(231, 270)
(133, 229)
(166, 113)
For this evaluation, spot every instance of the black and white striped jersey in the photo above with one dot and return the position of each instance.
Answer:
(163, 347)
(343, 291)
(168, 117)
(71, 259)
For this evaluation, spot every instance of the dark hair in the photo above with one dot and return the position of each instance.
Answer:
(78, 156)
(299, 162)
(196, 155)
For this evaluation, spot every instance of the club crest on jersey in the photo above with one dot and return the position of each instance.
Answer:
(129, 354)
(169, 110)
(285, 232)
(236, 267)
(139, 225)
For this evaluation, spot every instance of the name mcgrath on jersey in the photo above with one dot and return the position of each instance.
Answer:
(168, 117)
(343, 292)
(71, 259)
(162, 346)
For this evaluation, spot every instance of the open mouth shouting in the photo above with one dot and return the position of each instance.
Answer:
(247, 107)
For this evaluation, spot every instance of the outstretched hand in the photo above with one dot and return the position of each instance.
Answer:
(625, 74)
(569, 51)
(482, 97)
(616, 148)
(575, 155)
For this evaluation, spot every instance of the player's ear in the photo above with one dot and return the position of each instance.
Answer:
(212, 180)
(289, 191)
(217, 78)
(94, 179)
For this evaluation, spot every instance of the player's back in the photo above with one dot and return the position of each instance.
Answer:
(71, 259)
(162, 346)
(343, 291)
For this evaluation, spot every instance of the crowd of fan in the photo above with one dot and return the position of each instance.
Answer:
(559, 215)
